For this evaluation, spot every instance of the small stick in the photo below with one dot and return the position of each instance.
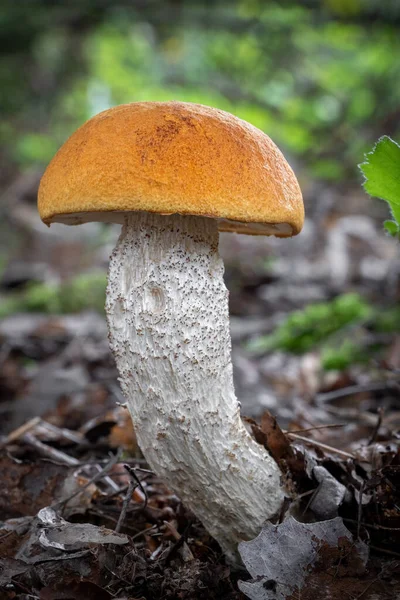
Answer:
(128, 497)
(156, 552)
(87, 463)
(132, 473)
(106, 516)
(374, 434)
(359, 511)
(147, 471)
(120, 491)
(49, 452)
(314, 493)
(62, 432)
(314, 428)
(391, 552)
(144, 532)
(107, 479)
(60, 457)
(179, 544)
(372, 526)
(17, 433)
(353, 389)
(321, 445)
(113, 461)
(349, 413)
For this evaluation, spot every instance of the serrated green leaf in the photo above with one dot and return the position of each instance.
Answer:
(382, 174)
(391, 227)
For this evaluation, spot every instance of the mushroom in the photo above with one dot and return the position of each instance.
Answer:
(174, 174)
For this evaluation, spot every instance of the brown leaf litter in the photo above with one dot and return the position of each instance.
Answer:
(66, 447)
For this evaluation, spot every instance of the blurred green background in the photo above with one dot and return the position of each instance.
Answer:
(321, 78)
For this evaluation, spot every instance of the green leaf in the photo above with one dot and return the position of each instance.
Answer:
(382, 175)
(392, 228)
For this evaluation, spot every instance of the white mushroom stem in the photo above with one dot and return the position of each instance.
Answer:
(167, 308)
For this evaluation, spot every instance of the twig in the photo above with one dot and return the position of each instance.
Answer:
(180, 543)
(54, 455)
(147, 471)
(159, 550)
(314, 428)
(353, 389)
(372, 526)
(132, 473)
(49, 451)
(305, 494)
(20, 431)
(106, 516)
(59, 457)
(64, 556)
(116, 493)
(128, 497)
(77, 438)
(349, 413)
(314, 493)
(321, 445)
(374, 434)
(129, 583)
(385, 551)
(113, 461)
(144, 532)
(114, 486)
(99, 461)
(359, 511)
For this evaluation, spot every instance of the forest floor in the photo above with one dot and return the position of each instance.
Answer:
(81, 515)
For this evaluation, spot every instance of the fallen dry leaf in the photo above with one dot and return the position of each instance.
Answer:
(27, 487)
(45, 549)
(288, 560)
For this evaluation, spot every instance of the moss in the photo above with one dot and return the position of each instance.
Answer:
(84, 292)
(340, 329)
(304, 329)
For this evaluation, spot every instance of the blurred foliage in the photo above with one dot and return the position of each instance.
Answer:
(325, 326)
(304, 329)
(314, 75)
(342, 356)
(382, 178)
(81, 293)
(387, 321)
